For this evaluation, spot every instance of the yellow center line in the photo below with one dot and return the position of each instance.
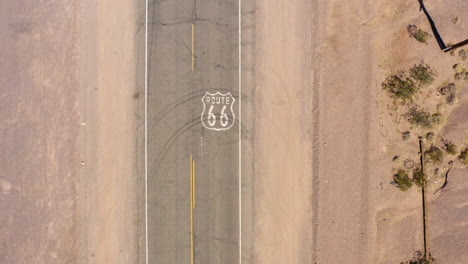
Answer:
(192, 205)
(193, 176)
(193, 46)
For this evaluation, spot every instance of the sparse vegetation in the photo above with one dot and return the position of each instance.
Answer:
(400, 87)
(462, 55)
(419, 117)
(422, 73)
(406, 135)
(434, 155)
(418, 34)
(436, 119)
(450, 148)
(418, 177)
(460, 72)
(463, 157)
(449, 91)
(429, 136)
(402, 181)
(419, 259)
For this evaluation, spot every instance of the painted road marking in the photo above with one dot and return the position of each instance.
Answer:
(192, 206)
(193, 189)
(220, 114)
(146, 134)
(240, 130)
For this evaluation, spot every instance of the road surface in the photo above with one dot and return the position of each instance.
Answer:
(193, 217)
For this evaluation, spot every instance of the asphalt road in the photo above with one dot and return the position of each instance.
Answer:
(178, 80)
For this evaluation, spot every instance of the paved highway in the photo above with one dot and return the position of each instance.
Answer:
(193, 132)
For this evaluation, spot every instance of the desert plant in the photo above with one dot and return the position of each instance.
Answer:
(463, 157)
(450, 148)
(402, 181)
(434, 155)
(436, 119)
(462, 55)
(420, 259)
(449, 91)
(429, 136)
(422, 73)
(418, 177)
(460, 72)
(418, 34)
(419, 117)
(406, 135)
(400, 87)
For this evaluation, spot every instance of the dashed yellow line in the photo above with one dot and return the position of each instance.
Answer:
(193, 177)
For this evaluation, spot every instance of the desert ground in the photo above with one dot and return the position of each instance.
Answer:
(68, 124)
(324, 139)
(315, 156)
(40, 124)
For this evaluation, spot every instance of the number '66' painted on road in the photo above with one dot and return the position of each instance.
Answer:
(218, 112)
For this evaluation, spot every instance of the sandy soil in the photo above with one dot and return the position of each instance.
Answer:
(39, 127)
(283, 169)
(314, 105)
(108, 193)
(68, 123)
(324, 141)
(399, 214)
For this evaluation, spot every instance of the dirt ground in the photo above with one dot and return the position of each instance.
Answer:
(109, 174)
(40, 123)
(283, 168)
(399, 214)
(313, 135)
(324, 141)
(68, 123)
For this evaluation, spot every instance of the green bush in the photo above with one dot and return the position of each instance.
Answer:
(421, 36)
(402, 181)
(422, 73)
(463, 157)
(429, 136)
(450, 148)
(420, 117)
(418, 177)
(418, 34)
(406, 135)
(450, 93)
(462, 54)
(400, 87)
(436, 119)
(420, 259)
(434, 155)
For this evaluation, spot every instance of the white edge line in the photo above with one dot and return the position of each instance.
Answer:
(240, 133)
(146, 133)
